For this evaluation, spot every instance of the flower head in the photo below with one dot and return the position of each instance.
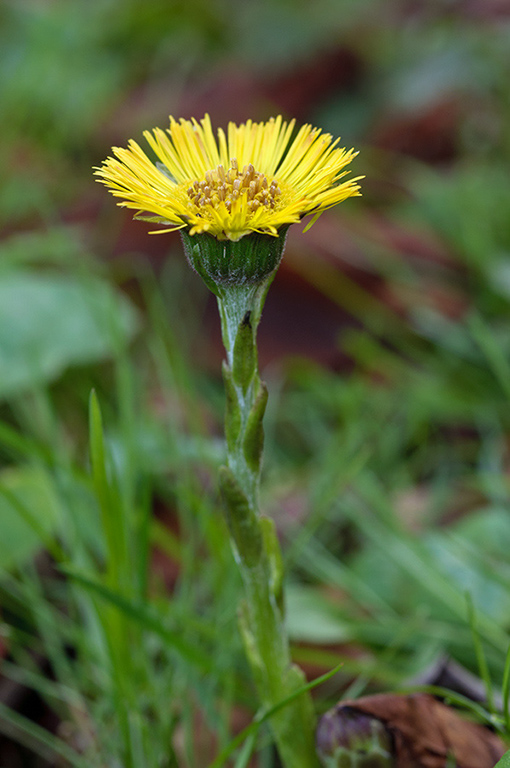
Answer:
(253, 179)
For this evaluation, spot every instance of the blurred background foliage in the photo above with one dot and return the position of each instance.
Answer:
(385, 343)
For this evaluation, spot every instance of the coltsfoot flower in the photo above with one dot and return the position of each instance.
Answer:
(233, 197)
(254, 179)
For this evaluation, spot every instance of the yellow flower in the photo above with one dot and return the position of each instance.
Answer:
(254, 179)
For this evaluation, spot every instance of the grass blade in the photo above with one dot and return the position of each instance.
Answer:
(506, 691)
(38, 739)
(480, 656)
(141, 614)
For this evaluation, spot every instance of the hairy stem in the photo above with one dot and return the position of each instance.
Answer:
(254, 539)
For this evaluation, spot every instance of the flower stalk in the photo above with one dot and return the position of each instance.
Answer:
(240, 274)
(253, 536)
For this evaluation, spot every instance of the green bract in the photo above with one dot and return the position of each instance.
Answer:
(249, 260)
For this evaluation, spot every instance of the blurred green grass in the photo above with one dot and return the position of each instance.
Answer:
(387, 458)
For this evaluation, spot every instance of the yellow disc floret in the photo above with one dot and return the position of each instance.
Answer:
(229, 187)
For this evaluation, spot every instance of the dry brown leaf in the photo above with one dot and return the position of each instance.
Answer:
(426, 733)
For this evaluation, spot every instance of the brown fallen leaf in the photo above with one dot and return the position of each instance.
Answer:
(418, 730)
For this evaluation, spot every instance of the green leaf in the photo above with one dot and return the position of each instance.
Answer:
(30, 514)
(310, 618)
(504, 762)
(50, 322)
(232, 409)
(274, 555)
(245, 354)
(243, 522)
(254, 432)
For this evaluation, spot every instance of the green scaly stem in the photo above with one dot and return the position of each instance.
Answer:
(254, 539)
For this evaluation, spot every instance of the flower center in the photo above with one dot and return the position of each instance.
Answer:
(226, 187)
